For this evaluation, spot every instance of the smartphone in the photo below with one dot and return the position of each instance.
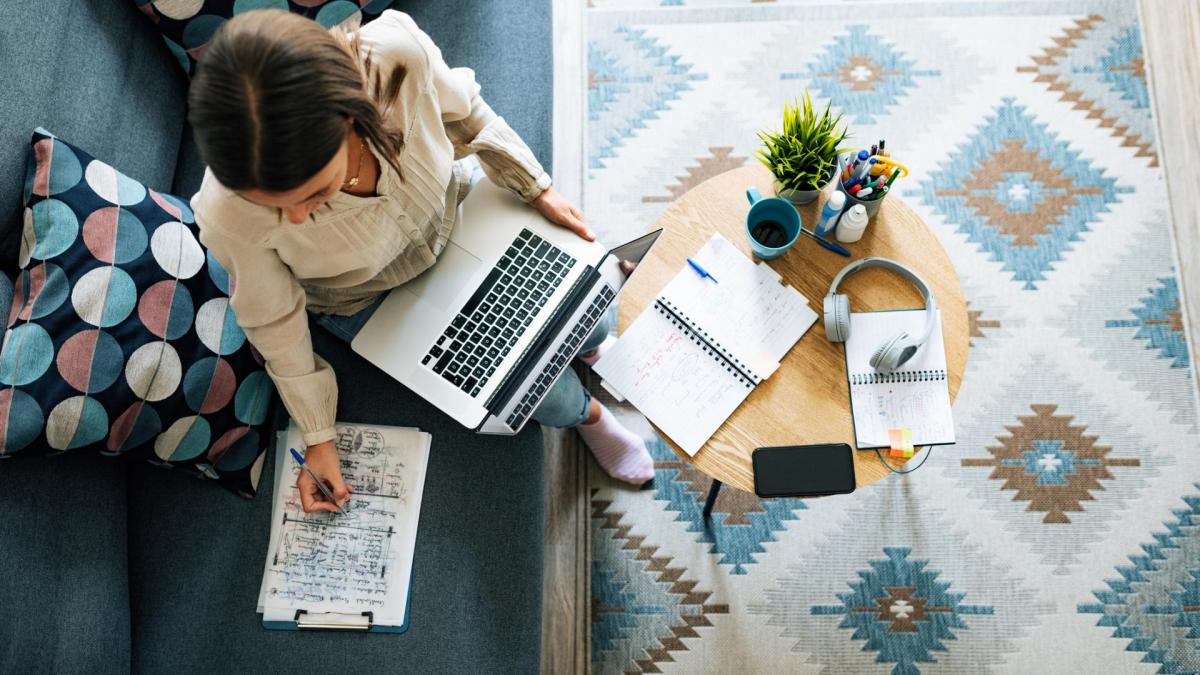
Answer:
(803, 470)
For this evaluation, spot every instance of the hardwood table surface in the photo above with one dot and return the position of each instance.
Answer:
(807, 400)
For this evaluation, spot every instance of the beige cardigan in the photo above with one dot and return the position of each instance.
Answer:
(358, 247)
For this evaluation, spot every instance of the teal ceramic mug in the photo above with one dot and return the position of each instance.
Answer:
(772, 224)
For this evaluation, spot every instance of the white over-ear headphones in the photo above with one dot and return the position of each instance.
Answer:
(896, 350)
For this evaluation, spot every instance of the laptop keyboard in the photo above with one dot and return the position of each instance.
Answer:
(565, 351)
(490, 323)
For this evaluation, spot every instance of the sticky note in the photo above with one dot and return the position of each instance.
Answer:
(901, 442)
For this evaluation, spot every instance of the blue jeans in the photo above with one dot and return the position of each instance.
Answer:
(565, 405)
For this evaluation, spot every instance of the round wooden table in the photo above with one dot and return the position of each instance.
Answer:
(807, 400)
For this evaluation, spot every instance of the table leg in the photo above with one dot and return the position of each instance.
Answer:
(713, 491)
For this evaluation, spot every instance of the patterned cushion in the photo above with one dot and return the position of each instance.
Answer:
(120, 338)
(188, 25)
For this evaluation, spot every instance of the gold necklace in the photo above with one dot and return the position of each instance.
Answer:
(362, 150)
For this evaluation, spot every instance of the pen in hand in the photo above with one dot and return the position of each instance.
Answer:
(320, 483)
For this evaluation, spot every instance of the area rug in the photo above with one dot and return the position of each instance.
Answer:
(1062, 532)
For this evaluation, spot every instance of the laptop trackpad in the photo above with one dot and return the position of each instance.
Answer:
(441, 284)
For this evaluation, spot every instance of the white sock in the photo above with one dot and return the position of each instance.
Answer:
(618, 450)
(593, 356)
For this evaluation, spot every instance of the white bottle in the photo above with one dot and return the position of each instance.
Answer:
(830, 212)
(852, 224)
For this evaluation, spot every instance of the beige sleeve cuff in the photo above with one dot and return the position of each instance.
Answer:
(311, 400)
(507, 160)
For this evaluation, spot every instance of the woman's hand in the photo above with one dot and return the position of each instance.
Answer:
(560, 211)
(324, 461)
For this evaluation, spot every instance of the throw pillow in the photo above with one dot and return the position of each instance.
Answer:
(120, 337)
(188, 25)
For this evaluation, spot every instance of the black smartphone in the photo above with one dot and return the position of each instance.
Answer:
(803, 470)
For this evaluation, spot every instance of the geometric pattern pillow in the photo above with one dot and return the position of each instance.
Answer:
(188, 25)
(120, 338)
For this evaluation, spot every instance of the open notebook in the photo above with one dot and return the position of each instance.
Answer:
(348, 570)
(695, 354)
(913, 396)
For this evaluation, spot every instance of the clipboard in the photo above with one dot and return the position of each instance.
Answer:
(363, 622)
(350, 571)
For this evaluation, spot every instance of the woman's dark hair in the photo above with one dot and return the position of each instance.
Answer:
(273, 97)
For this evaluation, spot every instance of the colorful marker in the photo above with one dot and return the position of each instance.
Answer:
(865, 169)
(858, 161)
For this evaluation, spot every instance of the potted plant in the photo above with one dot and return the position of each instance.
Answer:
(803, 155)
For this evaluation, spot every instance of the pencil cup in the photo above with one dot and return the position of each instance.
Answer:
(772, 225)
(871, 204)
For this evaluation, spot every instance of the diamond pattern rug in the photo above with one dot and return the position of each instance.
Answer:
(1061, 533)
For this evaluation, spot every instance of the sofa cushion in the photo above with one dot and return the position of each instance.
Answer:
(96, 72)
(196, 560)
(120, 334)
(6, 298)
(65, 595)
(188, 25)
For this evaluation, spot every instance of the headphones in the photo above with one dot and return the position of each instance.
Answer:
(896, 350)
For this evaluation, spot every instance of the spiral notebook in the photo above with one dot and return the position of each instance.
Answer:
(913, 396)
(697, 352)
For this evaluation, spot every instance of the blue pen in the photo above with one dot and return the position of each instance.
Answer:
(701, 271)
(827, 244)
(320, 483)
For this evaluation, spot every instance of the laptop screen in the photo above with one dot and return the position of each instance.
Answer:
(622, 261)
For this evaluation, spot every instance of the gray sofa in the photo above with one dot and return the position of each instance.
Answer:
(110, 566)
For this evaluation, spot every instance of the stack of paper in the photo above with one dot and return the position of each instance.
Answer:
(340, 565)
(693, 356)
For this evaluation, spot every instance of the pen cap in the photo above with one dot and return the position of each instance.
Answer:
(852, 224)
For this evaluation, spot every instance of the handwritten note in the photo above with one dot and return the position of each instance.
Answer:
(689, 375)
(361, 558)
(879, 407)
(915, 396)
(748, 308)
(675, 382)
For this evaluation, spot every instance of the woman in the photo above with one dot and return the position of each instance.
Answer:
(332, 178)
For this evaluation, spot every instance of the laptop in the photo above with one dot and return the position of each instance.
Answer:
(486, 331)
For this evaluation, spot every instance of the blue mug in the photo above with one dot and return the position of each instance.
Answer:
(772, 225)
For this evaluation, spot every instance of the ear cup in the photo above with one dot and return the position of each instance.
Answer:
(905, 351)
(889, 354)
(828, 318)
(836, 308)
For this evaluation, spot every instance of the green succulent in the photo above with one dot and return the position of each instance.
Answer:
(804, 152)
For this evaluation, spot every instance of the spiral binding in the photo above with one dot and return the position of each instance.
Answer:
(701, 338)
(900, 376)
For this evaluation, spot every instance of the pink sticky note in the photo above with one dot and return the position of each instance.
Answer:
(901, 442)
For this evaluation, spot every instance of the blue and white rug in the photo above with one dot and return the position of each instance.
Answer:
(1062, 532)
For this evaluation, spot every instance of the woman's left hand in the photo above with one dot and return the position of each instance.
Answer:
(560, 211)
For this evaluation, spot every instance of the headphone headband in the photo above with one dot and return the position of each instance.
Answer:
(930, 302)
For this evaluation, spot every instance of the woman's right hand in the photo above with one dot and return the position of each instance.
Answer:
(324, 461)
